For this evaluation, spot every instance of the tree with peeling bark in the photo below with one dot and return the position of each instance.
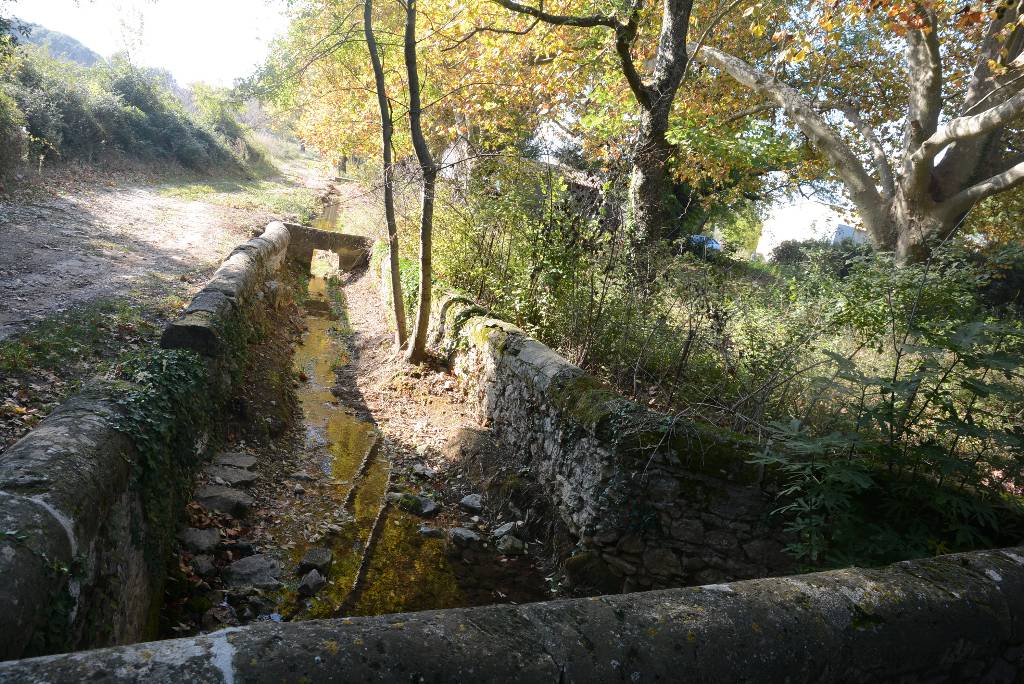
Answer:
(650, 189)
(387, 131)
(428, 171)
(951, 151)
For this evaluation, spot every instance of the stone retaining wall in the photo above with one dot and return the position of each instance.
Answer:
(652, 502)
(949, 619)
(82, 547)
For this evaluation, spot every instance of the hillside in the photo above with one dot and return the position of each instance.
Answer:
(59, 45)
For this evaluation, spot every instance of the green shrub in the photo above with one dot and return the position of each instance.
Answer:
(74, 112)
(13, 142)
(887, 396)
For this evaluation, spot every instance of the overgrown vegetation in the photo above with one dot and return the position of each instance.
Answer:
(888, 400)
(51, 109)
(579, 196)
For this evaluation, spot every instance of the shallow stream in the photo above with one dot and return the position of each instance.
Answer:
(382, 563)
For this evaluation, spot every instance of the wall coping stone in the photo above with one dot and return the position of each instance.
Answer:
(951, 618)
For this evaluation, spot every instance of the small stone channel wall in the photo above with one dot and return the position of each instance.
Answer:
(949, 619)
(649, 501)
(352, 250)
(82, 544)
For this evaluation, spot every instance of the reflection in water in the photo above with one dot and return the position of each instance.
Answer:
(407, 571)
(328, 219)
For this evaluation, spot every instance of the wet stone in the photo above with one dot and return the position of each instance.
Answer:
(311, 583)
(417, 505)
(235, 460)
(232, 476)
(317, 558)
(431, 532)
(224, 500)
(199, 541)
(472, 503)
(259, 571)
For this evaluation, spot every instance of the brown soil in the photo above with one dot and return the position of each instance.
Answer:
(71, 241)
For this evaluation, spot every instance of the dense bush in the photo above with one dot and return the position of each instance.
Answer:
(13, 141)
(73, 112)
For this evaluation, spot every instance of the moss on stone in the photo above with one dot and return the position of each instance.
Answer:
(585, 399)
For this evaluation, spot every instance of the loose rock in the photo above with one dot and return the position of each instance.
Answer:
(472, 503)
(199, 541)
(259, 571)
(433, 532)
(462, 536)
(426, 472)
(224, 499)
(417, 505)
(311, 583)
(203, 566)
(236, 460)
(511, 546)
(506, 529)
(317, 558)
(231, 475)
(219, 616)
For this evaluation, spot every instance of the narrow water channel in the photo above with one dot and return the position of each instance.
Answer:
(334, 486)
(403, 569)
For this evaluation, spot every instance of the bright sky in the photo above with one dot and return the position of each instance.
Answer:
(797, 219)
(215, 41)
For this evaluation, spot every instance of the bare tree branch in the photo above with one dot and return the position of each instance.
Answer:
(965, 199)
(750, 111)
(878, 156)
(560, 19)
(870, 203)
(965, 127)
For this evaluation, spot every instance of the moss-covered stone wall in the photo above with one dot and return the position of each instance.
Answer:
(651, 500)
(953, 618)
(89, 499)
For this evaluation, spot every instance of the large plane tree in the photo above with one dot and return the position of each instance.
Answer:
(915, 107)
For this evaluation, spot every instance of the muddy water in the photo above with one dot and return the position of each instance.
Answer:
(403, 570)
(328, 218)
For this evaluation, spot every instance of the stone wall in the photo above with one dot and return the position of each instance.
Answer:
(82, 543)
(651, 501)
(947, 619)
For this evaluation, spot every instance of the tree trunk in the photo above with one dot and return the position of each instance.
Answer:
(918, 224)
(387, 129)
(417, 350)
(650, 185)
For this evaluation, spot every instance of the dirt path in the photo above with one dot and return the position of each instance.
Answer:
(94, 263)
(73, 244)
